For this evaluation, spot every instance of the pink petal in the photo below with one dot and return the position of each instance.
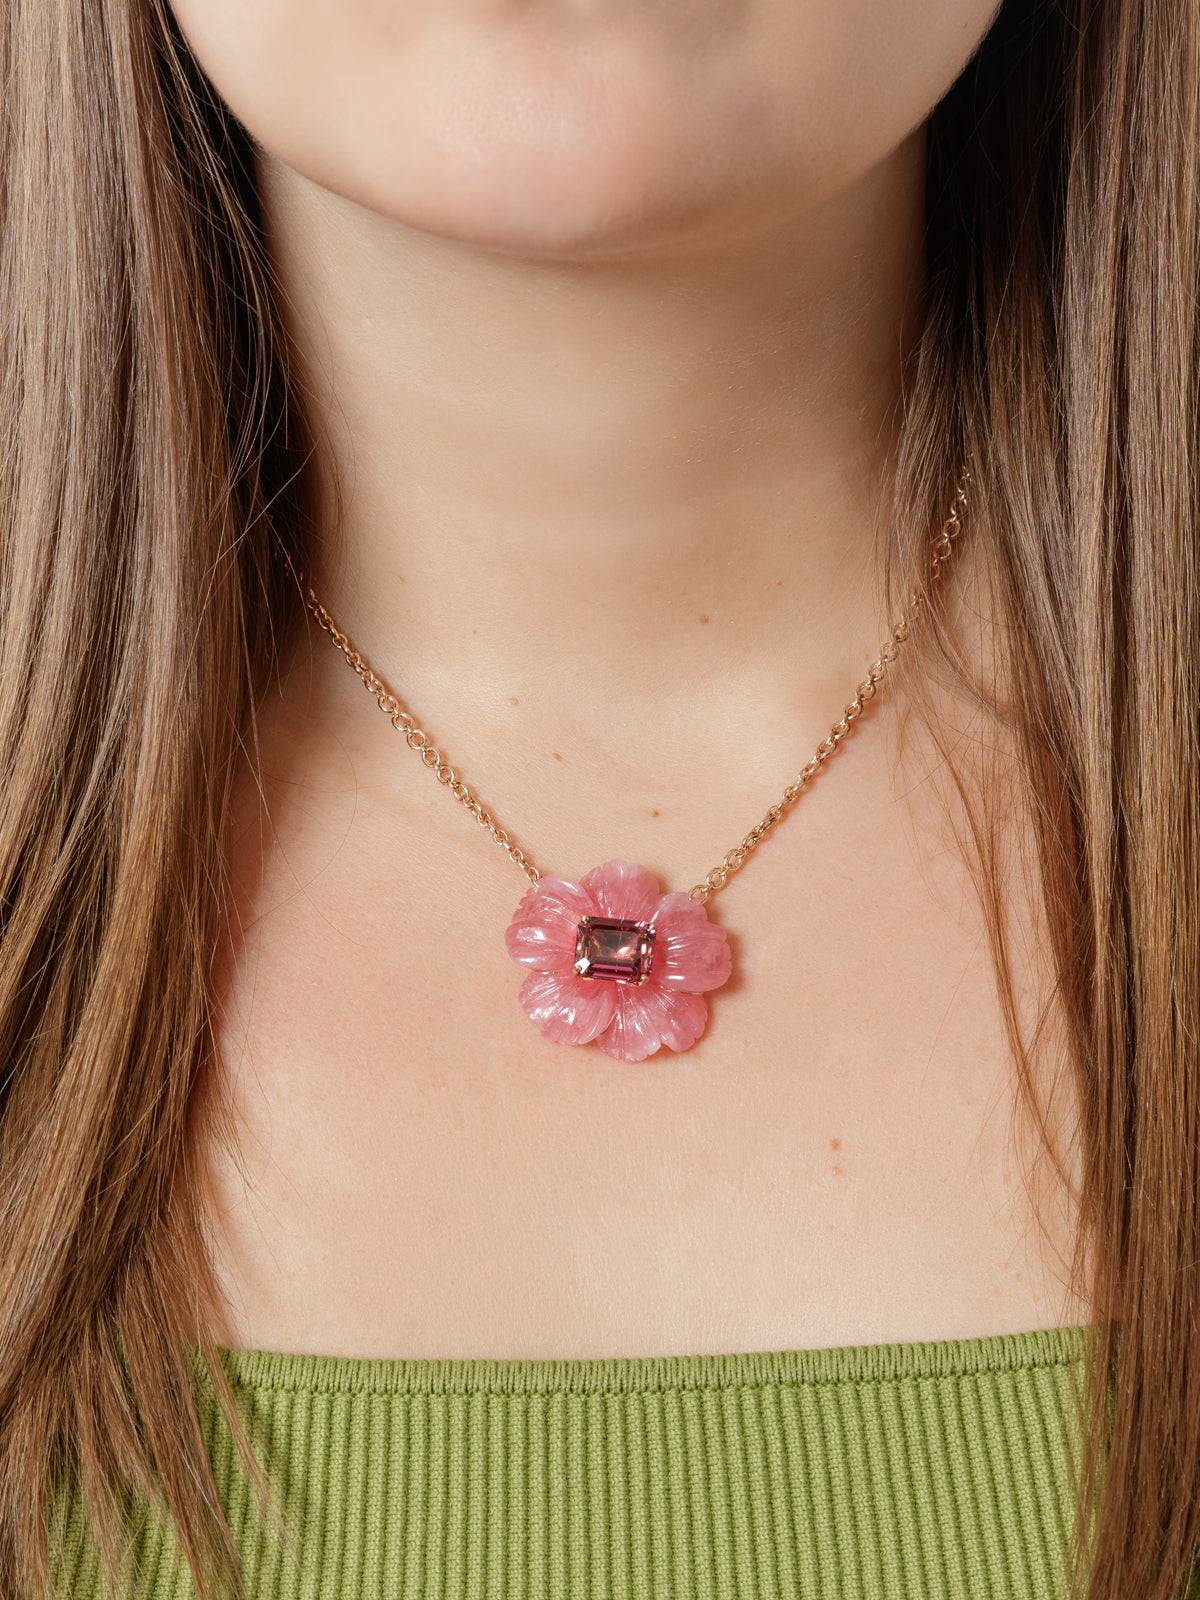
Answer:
(647, 1017)
(690, 952)
(568, 1009)
(627, 893)
(542, 931)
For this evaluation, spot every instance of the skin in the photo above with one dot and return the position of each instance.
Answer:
(601, 306)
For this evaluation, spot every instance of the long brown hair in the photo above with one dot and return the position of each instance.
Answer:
(151, 449)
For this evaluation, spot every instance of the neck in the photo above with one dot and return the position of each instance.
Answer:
(606, 479)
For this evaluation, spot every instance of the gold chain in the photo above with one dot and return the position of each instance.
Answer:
(719, 876)
(417, 740)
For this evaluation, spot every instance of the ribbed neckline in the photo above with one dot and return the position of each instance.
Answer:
(852, 1364)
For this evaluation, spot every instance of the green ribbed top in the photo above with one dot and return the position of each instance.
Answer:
(913, 1471)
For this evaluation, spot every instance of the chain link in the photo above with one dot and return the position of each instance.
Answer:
(865, 692)
(417, 740)
(716, 880)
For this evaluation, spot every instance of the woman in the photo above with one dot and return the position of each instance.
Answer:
(614, 377)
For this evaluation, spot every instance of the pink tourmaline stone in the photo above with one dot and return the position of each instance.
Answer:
(619, 950)
(615, 960)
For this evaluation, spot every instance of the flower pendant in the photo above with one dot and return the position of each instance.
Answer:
(616, 960)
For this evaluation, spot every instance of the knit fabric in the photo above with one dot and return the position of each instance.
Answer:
(914, 1471)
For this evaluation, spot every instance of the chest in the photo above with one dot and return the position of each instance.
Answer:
(416, 1172)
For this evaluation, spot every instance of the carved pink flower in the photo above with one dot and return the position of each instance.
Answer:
(628, 1019)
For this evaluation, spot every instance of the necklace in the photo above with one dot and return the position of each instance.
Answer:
(611, 958)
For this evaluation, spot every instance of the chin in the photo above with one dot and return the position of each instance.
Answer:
(578, 127)
(596, 203)
(547, 169)
(515, 136)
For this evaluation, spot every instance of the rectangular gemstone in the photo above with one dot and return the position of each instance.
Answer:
(620, 951)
